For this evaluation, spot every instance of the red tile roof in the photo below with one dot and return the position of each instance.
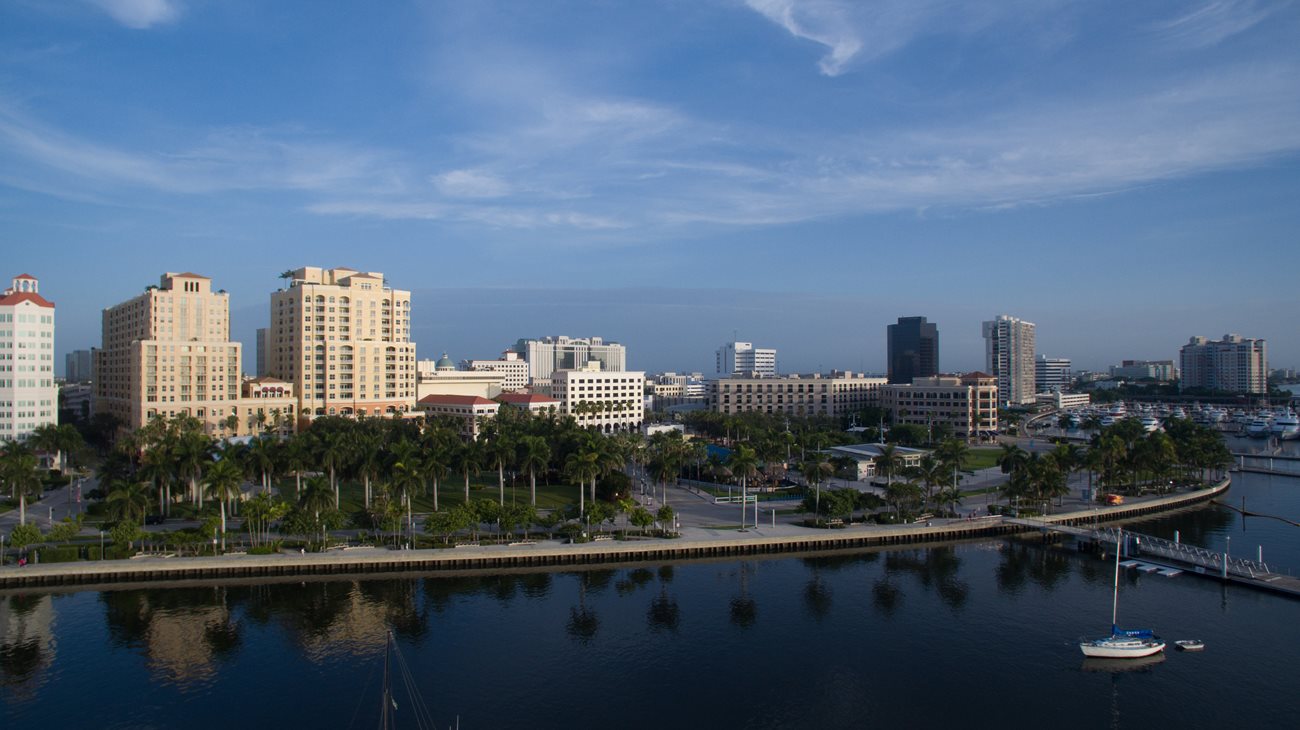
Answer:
(455, 400)
(25, 276)
(25, 296)
(525, 398)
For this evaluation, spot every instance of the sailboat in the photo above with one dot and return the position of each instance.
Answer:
(1122, 643)
(415, 711)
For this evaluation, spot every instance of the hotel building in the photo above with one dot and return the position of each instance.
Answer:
(742, 358)
(28, 397)
(167, 352)
(341, 337)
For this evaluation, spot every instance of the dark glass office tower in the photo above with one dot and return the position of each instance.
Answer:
(913, 349)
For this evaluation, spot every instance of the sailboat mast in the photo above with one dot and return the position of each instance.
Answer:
(1114, 609)
(386, 695)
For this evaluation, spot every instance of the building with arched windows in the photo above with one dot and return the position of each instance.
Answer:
(341, 337)
(28, 397)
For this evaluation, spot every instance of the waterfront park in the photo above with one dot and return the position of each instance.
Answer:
(171, 490)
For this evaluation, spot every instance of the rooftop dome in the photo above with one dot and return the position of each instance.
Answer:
(444, 363)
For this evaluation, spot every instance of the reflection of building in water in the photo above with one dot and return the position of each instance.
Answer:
(26, 643)
(359, 627)
(182, 642)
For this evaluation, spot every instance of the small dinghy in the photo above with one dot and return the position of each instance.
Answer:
(1190, 644)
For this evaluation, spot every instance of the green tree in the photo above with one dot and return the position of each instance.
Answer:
(128, 501)
(24, 534)
(19, 473)
(223, 480)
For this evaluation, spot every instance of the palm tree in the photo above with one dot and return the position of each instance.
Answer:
(468, 459)
(815, 469)
(581, 466)
(743, 463)
(333, 456)
(367, 459)
(128, 501)
(888, 461)
(296, 458)
(262, 457)
(500, 451)
(930, 472)
(407, 477)
(223, 480)
(193, 453)
(18, 470)
(534, 454)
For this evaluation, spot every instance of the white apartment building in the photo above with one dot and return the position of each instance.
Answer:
(342, 338)
(607, 401)
(1062, 401)
(816, 394)
(513, 367)
(550, 354)
(1234, 364)
(967, 404)
(167, 352)
(28, 396)
(742, 358)
(1051, 374)
(1009, 354)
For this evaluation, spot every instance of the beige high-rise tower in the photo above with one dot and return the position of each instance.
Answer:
(342, 337)
(167, 352)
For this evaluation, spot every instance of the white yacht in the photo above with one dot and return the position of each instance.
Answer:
(1150, 423)
(1259, 427)
(1286, 426)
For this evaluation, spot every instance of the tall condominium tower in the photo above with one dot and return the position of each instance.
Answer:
(28, 397)
(1009, 355)
(167, 352)
(548, 354)
(1234, 364)
(913, 350)
(342, 338)
(743, 358)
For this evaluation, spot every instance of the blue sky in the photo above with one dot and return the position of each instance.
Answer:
(667, 173)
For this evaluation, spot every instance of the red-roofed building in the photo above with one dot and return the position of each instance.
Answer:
(28, 396)
(469, 410)
(532, 402)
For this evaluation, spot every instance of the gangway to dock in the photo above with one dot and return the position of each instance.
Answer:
(1174, 556)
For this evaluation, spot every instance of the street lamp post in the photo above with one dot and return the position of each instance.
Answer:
(101, 544)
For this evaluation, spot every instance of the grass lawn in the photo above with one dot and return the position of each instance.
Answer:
(451, 492)
(981, 458)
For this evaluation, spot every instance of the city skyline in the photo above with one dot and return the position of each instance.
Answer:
(666, 175)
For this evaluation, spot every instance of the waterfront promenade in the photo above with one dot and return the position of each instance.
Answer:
(694, 542)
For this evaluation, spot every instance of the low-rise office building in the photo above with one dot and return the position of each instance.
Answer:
(967, 404)
(866, 456)
(607, 401)
(470, 411)
(816, 394)
(267, 406)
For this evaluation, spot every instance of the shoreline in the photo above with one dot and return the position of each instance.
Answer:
(550, 553)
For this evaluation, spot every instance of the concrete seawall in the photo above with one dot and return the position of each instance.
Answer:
(545, 554)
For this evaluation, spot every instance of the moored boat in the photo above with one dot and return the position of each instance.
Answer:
(1122, 643)
(1190, 644)
(1286, 426)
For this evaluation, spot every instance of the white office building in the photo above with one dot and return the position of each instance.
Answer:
(742, 358)
(513, 369)
(1009, 355)
(1051, 374)
(607, 401)
(550, 354)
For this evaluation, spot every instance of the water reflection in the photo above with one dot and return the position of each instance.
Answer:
(744, 610)
(664, 613)
(26, 642)
(184, 634)
(1022, 563)
(936, 567)
(583, 622)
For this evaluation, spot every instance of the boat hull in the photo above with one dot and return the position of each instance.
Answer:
(1120, 648)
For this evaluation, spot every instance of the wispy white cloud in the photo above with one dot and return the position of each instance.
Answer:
(470, 184)
(1211, 23)
(140, 14)
(222, 159)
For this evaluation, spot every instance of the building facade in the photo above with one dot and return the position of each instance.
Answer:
(913, 345)
(342, 338)
(606, 401)
(838, 393)
(1052, 374)
(469, 411)
(513, 368)
(441, 377)
(263, 348)
(78, 366)
(1234, 364)
(267, 406)
(742, 358)
(29, 398)
(549, 354)
(1009, 356)
(534, 403)
(966, 404)
(167, 352)
(1161, 370)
